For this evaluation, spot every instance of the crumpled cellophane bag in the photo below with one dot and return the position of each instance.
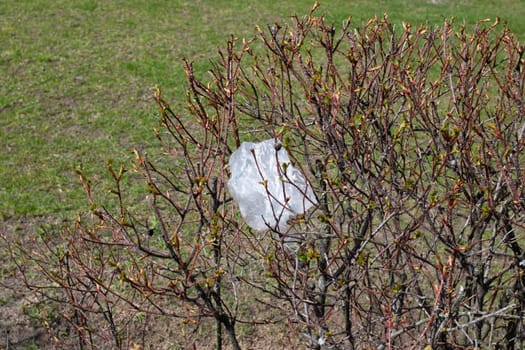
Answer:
(267, 188)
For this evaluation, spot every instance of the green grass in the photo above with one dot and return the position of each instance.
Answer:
(76, 77)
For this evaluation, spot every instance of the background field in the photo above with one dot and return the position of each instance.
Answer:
(76, 79)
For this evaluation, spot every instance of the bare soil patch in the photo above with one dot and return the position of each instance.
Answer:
(20, 327)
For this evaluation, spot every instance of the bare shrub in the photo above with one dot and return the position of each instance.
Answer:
(412, 139)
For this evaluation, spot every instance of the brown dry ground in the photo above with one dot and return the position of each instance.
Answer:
(26, 318)
(18, 329)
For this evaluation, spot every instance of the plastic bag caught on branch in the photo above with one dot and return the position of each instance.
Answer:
(267, 188)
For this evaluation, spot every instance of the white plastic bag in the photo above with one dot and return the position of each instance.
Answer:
(267, 188)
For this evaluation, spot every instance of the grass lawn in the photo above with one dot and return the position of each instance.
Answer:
(76, 77)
